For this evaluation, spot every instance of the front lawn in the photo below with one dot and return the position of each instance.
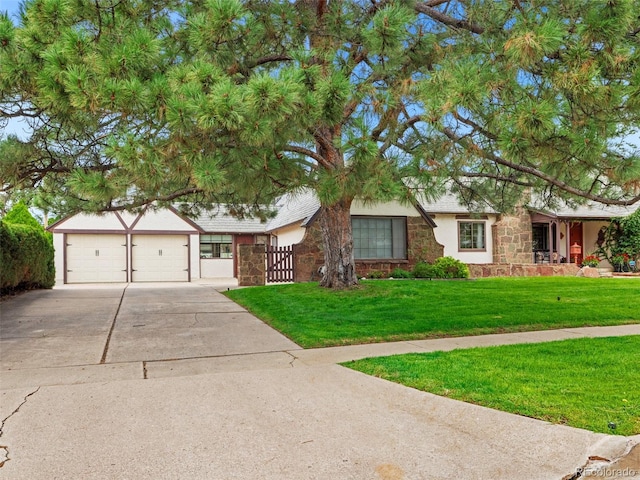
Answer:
(589, 383)
(391, 310)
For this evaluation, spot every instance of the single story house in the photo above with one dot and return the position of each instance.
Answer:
(163, 245)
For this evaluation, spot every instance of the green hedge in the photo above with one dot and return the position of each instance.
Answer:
(26, 257)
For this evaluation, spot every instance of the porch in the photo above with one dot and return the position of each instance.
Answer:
(557, 239)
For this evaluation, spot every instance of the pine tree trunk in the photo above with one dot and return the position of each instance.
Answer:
(337, 239)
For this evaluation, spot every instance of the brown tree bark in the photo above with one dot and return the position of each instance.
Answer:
(337, 240)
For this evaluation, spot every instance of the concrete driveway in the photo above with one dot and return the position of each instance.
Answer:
(176, 381)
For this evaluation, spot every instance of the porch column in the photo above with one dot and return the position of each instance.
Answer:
(550, 241)
(557, 223)
(567, 238)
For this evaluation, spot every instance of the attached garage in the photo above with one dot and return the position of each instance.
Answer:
(93, 258)
(160, 258)
(120, 247)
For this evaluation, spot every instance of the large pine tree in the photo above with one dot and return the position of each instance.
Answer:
(135, 101)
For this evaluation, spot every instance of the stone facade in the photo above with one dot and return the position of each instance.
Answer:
(513, 238)
(422, 246)
(251, 265)
(480, 270)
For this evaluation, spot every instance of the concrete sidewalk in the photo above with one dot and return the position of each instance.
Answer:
(177, 381)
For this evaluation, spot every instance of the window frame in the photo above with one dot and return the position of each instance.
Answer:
(399, 233)
(484, 236)
(221, 246)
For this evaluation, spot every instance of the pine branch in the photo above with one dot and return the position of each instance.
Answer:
(448, 20)
(537, 173)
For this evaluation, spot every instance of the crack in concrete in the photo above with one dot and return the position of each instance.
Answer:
(103, 360)
(4, 421)
(293, 358)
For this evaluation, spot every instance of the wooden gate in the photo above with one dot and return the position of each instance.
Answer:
(280, 264)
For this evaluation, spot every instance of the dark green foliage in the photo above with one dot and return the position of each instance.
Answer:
(629, 242)
(449, 267)
(443, 267)
(400, 273)
(26, 252)
(423, 270)
(620, 237)
(376, 274)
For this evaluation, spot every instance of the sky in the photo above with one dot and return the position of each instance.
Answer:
(10, 6)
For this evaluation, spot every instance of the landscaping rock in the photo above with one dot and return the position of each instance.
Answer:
(589, 272)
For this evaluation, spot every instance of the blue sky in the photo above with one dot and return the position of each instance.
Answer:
(10, 6)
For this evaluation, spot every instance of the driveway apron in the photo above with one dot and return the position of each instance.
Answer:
(135, 323)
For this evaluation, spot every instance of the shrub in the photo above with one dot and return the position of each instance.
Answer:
(26, 252)
(375, 274)
(449, 267)
(620, 237)
(423, 270)
(443, 267)
(400, 273)
(19, 214)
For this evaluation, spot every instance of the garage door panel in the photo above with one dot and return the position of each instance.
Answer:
(96, 258)
(160, 258)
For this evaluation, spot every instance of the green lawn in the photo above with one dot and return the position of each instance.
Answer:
(412, 309)
(589, 383)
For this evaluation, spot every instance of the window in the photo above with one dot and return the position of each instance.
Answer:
(215, 246)
(379, 237)
(471, 236)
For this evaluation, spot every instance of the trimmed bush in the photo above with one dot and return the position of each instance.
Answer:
(443, 267)
(449, 267)
(423, 270)
(376, 274)
(400, 273)
(26, 254)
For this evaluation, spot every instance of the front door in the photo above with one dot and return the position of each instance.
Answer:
(575, 236)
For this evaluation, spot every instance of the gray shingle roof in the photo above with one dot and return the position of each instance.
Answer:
(449, 203)
(220, 221)
(590, 210)
(294, 207)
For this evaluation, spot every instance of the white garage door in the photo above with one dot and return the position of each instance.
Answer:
(96, 258)
(160, 258)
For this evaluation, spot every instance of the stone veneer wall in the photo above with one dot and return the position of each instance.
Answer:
(422, 246)
(479, 270)
(513, 238)
(251, 265)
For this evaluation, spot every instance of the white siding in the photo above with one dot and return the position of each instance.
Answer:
(58, 259)
(446, 234)
(85, 221)
(216, 268)
(289, 235)
(387, 209)
(162, 220)
(194, 255)
(590, 235)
